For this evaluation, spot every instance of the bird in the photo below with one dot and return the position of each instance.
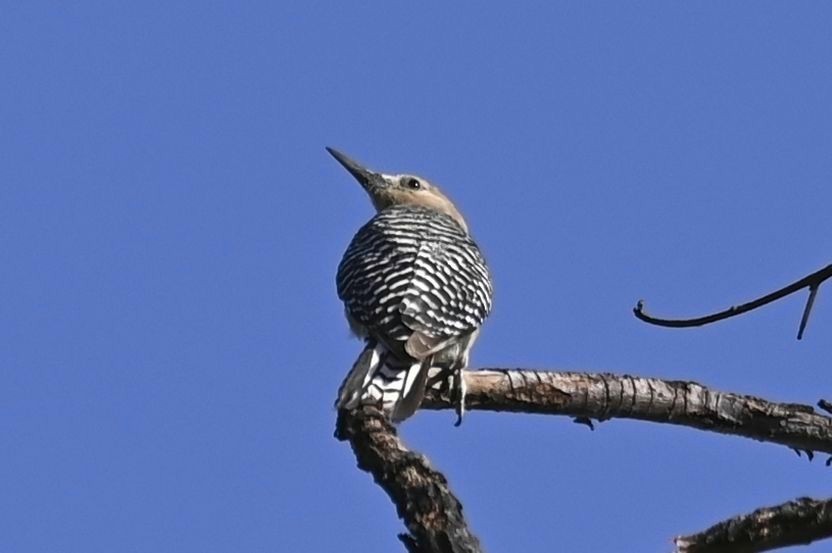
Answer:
(416, 289)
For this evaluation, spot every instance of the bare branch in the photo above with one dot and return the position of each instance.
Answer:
(812, 281)
(424, 502)
(602, 396)
(797, 522)
(433, 515)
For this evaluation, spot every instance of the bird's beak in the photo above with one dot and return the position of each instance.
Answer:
(368, 179)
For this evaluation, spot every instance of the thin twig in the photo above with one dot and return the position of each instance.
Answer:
(797, 522)
(430, 511)
(812, 281)
(804, 320)
(602, 396)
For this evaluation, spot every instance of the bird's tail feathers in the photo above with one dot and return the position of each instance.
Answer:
(377, 377)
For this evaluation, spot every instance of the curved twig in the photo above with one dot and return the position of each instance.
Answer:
(603, 396)
(797, 522)
(812, 281)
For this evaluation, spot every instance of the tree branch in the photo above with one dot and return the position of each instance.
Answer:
(423, 499)
(433, 515)
(812, 281)
(602, 396)
(797, 522)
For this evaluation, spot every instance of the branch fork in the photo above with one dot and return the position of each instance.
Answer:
(433, 515)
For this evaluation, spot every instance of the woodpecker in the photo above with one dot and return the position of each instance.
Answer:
(415, 288)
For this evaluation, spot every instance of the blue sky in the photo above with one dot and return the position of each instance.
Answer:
(170, 224)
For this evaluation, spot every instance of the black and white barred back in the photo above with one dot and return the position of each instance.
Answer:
(416, 286)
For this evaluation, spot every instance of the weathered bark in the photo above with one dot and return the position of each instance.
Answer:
(431, 513)
(797, 522)
(603, 396)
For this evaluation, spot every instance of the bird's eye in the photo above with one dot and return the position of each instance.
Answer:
(414, 184)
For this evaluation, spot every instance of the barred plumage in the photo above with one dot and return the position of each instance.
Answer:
(415, 286)
(413, 269)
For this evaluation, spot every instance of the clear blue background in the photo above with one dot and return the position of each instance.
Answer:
(170, 224)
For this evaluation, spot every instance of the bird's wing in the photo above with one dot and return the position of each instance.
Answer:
(450, 289)
(415, 277)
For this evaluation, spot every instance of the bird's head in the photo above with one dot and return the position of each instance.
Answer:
(393, 190)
